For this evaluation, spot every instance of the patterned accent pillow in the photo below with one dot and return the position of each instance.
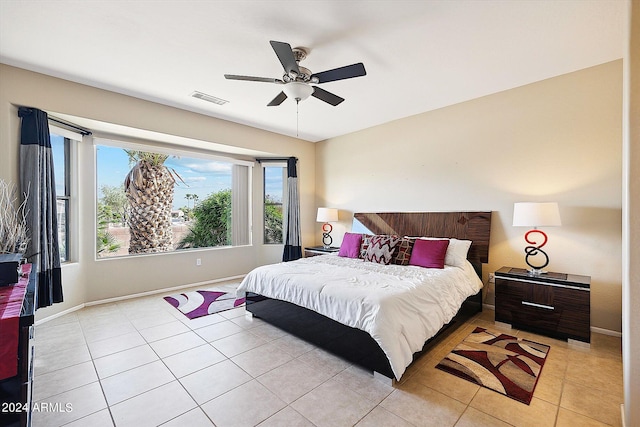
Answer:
(366, 240)
(402, 254)
(381, 249)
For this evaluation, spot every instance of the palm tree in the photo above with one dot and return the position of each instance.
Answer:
(149, 188)
(188, 196)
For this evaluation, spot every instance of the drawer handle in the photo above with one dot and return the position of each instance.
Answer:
(548, 307)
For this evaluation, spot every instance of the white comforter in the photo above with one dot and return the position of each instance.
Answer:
(399, 306)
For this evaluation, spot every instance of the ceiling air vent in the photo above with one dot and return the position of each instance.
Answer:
(209, 98)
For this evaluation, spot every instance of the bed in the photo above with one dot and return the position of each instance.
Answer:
(377, 316)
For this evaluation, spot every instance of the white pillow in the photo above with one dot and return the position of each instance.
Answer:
(457, 250)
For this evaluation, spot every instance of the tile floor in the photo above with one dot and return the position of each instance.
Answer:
(140, 362)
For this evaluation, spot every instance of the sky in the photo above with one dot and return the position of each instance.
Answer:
(57, 146)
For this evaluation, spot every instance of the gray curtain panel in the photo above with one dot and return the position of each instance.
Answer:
(37, 180)
(293, 241)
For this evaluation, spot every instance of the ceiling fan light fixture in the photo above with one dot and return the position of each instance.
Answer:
(298, 91)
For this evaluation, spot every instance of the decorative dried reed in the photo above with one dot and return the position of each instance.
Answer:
(13, 220)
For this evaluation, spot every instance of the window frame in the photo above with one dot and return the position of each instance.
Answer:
(71, 141)
(177, 150)
(273, 164)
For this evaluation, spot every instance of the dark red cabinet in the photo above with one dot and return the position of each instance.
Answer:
(16, 391)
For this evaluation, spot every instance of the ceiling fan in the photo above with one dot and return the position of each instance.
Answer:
(297, 80)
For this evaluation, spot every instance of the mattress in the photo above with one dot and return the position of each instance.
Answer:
(401, 307)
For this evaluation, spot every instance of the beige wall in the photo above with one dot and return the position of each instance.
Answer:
(90, 280)
(555, 140)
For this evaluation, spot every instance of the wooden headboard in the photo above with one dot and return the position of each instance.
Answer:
(474, 226)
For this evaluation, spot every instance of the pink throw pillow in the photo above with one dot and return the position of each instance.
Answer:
(429, 253)
(350, 247)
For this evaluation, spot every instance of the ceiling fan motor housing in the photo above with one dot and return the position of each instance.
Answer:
(304, 76)
(300, 53)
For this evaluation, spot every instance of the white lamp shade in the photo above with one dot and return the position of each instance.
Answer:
(530, 214)
(327, 215)
(297, 90)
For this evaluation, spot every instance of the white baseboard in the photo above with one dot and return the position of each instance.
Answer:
(161, 291)
(606, 332)
(226, 279)
(62, 313)
(138, 295)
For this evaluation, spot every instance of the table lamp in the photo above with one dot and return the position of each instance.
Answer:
(528, 214)
(327, 215)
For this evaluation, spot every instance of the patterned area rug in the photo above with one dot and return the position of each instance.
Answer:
(500, 362)
(200, 303)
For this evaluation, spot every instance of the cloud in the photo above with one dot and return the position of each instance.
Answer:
(206, 166)
(195, 178)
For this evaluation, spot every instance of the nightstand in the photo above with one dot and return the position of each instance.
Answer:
(319, 250)
(553, 304)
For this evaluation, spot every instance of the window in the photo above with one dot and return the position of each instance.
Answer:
(62, 145)
(275, 181)
(152, 202)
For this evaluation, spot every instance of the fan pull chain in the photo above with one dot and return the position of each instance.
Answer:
(297, 117)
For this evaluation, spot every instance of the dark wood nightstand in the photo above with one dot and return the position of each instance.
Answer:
(319, 250)
(553, 304)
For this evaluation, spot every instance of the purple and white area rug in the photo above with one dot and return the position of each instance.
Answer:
(201, 303)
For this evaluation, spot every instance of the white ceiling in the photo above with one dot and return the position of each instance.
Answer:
(419, 55)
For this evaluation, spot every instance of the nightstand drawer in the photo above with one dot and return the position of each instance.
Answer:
(517, 293)
(521, 301)
(538, 316)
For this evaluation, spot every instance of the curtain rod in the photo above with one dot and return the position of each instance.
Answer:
(82, 130)
(273, 159)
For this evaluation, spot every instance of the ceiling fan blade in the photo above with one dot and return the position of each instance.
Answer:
(277, 100)
(325, 96)
(285, 55)
(253, 79)
(346, 72)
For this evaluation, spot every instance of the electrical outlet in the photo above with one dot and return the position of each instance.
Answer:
(492, 278)
(198, 261)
